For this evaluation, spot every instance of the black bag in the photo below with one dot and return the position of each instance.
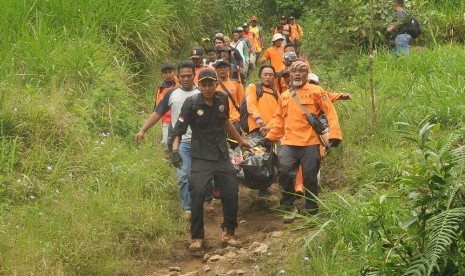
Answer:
(244, 114)
(259, 171)
(413, 27)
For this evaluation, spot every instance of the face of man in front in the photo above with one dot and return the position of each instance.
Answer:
(282, 21)
(219, 43)
(278, 42)
(168, 74)
(267, 76)
(236, 36)
(253, 23)
(298, 76)
(222, 71)
(207, 88)
(289, 49)
(212, 56)
(197, 61)
(225, 55)
(186, 78)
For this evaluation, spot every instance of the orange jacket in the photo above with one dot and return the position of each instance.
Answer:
(275, 55)
(289, 120)
(296, 32)
(263, 108)
(161, 91)
(237, 92)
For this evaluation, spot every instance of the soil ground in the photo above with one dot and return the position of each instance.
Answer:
(257, 219)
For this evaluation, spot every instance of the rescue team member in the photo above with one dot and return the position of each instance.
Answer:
(300, 144)
(286, 28)
(169, 81)
(234, 55)
(296, 35)
(233, 89)
(261, 109)
(197, 59)
(173, 100)
(234, 67)
(258, 32)
(207, 115)
(249, 36)
(275, 53)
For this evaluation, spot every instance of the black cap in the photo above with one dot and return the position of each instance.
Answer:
(221, 62)
(197, 52)
(292, 17)
(167, 65)
(283, 17)
(207, 74)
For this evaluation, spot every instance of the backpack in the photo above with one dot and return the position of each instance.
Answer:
(413, 27)
(244, 114)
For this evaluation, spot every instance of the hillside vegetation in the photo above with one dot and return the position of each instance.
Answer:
(77, 79)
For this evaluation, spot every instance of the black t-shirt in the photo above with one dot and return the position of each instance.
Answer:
(208, 126)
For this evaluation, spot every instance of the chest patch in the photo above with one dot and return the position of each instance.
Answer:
(200, 112)
(221, 108)
(325, 97)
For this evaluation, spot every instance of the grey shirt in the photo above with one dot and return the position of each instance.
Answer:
(174, 99)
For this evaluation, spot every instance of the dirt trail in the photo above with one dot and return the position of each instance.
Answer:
(257, 220)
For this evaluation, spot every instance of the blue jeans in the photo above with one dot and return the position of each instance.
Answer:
(183, 177)
(402, 46)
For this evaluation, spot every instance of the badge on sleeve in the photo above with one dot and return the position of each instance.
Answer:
(325, 97)
(221, 107)
(181, 118)
(200, 112)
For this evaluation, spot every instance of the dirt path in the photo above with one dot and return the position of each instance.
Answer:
(258, 221)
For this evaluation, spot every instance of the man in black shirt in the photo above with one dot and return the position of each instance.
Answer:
(208, 116)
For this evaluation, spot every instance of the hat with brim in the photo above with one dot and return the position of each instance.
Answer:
(167, 65)
(221, 62)
(207, 74)
(197, 52)
(277, 37)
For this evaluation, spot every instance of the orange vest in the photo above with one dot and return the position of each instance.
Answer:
(237, 93)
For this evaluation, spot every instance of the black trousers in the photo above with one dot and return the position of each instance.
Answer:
(224, 175)
(290, 157)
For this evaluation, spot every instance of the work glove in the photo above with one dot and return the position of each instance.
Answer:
(176, 159)
(265, 142)
(334, 143)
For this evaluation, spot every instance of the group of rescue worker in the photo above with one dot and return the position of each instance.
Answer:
(199, 105)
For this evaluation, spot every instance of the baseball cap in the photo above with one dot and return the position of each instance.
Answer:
(167, 65)
(292, 17)
(245, 25)
(240, 29)
(207, 74)
(283, 17)
(254, 18)
(221, 62)
(220, 35)
(197, 52)
(277, 37)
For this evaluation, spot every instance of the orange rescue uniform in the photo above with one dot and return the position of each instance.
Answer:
(263, 108)
(275, 55)
(296, 32)
(200, 69)
(161, 91)
(237, 93)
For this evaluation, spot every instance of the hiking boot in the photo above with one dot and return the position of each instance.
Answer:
(196, 245)
(290, 215)
(188, 215)
(208, 207)
(309, 211)
(230, 240)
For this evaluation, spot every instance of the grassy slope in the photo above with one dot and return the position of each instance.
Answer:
(429, 84)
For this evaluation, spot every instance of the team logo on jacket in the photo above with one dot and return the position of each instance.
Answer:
(200, 112)
(221, 107)
(181, 118)
(325, 97)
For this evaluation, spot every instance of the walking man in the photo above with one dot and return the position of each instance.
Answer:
(401, 37)
(207, 115)
(300, 143)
